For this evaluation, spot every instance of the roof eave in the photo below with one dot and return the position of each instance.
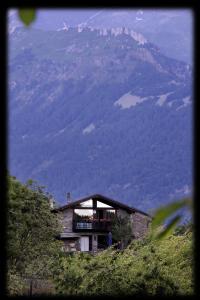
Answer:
(123, 206)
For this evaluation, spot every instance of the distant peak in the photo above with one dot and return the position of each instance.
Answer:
(138, 37)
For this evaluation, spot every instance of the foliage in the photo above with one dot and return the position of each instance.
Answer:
(31, 232)
(184, 228)
(121, 230)
(15, 283)
(163, 213)
(27, 16)
(144, 267)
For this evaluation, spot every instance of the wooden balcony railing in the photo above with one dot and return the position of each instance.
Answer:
(94, 225)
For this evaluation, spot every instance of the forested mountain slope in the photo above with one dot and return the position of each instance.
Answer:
(99, 111)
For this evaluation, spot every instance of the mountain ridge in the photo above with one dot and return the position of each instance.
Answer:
(170, 29)
(91, 115)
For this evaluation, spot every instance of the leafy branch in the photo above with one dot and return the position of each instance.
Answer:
(163, 213)
(27, 16)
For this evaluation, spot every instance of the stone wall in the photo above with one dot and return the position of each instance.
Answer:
(123, 213)
(71, 245)
(66, 217)
(140, 224)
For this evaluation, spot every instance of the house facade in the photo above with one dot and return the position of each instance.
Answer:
(87, 222)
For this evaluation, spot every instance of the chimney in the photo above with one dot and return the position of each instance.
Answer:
(68, 198)
(51, 202)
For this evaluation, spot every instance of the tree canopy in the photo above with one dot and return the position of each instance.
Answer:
(31, 233)
(121, 230)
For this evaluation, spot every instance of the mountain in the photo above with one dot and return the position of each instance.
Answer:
(99, 111)
(170, 29)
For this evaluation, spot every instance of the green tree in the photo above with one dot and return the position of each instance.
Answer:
(121, 230)
(160, 264)
(31, 232)
(145, 267)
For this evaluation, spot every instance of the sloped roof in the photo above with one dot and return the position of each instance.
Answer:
(105, 199)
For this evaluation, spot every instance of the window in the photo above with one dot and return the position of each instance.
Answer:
(89, 215)
(103, 214)
(109, 213)
(101, 204)
(87, 203)
(83, 214)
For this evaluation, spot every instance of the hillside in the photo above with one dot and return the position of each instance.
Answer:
(99, 111)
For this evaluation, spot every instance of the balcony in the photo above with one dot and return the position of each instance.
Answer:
(103, 225)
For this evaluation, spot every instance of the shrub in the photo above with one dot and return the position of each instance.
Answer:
(144, 267)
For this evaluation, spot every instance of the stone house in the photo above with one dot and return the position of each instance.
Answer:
(86, 222)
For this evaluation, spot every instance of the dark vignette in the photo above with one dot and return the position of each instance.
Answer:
(193, 5)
